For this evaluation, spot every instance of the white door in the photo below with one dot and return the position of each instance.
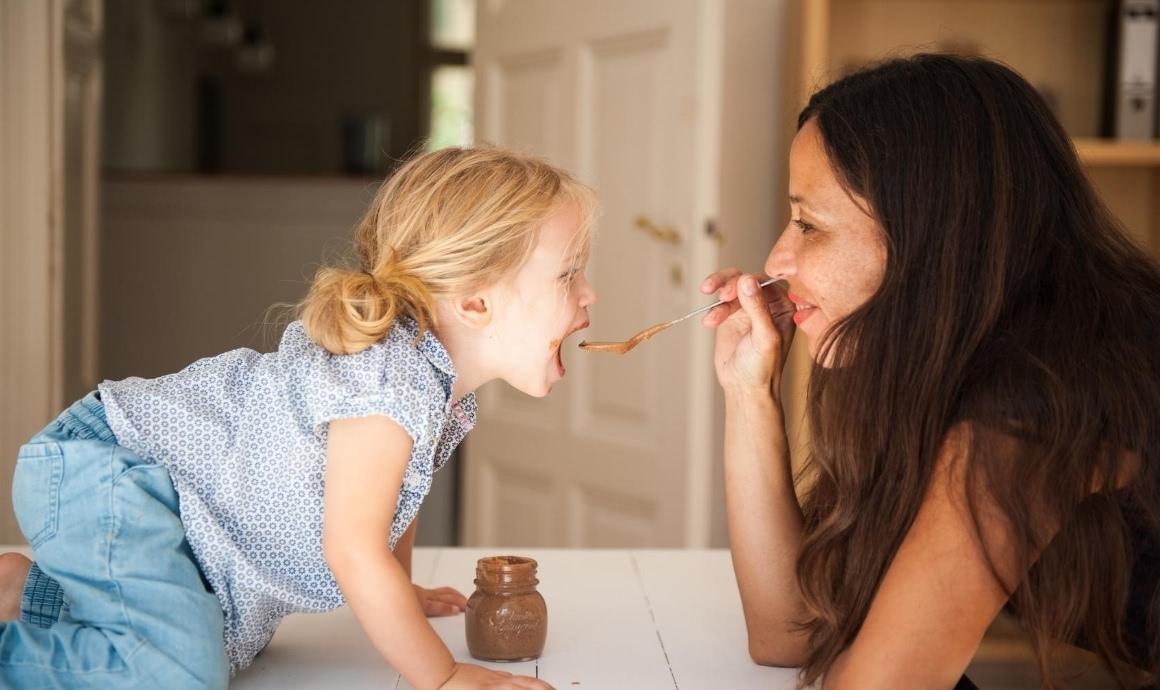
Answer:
(50, 94)
(622, 452)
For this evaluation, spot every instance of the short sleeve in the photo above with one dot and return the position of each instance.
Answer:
(388, 379)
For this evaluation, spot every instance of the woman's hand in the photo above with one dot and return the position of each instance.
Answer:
(754, 331)
(472, 677)
(442, 601)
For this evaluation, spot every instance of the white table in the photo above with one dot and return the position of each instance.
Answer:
(631, 620)
(637, 620)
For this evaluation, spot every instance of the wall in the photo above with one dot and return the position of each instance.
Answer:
(29, 35)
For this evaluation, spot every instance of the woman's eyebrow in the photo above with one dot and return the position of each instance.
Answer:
(795, 199)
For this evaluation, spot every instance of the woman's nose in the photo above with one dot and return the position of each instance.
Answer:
(780, 261)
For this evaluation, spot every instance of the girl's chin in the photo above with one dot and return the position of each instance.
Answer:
(540, 385)
(536, 389)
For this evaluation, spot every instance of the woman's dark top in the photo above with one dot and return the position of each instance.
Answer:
(1144, 584)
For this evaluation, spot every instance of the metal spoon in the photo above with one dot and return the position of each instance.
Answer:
(620, 348)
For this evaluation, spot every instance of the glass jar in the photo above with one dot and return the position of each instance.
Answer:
(507, 619)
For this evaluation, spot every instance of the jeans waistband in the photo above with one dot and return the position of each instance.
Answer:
(86, 419)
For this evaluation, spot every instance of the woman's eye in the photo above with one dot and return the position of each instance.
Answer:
(805, 227)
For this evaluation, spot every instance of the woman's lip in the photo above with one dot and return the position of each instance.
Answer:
(797, 299)
(802, 315)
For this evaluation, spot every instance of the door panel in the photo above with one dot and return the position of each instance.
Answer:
(607, 90)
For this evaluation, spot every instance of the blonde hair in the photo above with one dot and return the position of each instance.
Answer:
(447, 222)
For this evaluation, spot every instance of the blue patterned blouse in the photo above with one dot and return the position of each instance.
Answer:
(243, 435)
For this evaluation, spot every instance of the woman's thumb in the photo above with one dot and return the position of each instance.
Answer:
(753, 302)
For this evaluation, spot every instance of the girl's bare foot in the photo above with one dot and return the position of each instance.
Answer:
(13, 573)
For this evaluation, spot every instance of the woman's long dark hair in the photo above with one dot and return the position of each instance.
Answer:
(1013, 306)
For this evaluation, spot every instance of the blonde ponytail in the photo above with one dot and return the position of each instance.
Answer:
(348, 311)
(447, 222)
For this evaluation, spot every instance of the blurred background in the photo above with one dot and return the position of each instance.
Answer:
(170, 169)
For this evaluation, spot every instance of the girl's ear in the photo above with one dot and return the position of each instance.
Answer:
(474, 311)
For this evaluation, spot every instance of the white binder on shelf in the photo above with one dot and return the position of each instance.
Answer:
(1136, 78)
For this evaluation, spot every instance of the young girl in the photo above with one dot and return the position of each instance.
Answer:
(985, 401)
(176, 521)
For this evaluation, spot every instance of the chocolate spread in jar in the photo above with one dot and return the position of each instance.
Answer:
(507, 619)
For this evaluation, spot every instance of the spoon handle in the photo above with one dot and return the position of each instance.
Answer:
(718, 303)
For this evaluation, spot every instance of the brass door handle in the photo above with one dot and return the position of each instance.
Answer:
(664, 234)
(713, 231)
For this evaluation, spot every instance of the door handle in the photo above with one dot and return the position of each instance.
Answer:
(663, 234)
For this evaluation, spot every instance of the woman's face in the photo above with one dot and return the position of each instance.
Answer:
(832, 252)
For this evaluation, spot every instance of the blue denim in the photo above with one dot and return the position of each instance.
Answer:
(115, 599)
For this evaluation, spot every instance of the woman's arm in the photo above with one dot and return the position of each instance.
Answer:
(938, 595)
(366, 459)
(765, 528)
(765, 521)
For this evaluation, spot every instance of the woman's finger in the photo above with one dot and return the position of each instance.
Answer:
(774, 294)
(717, 315)
(715, 280)
(780, 308)
(728, 291)
(757, 309)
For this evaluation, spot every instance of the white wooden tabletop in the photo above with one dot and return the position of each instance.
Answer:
(631, 620)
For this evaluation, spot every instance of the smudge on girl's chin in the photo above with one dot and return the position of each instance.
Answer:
(554, 345)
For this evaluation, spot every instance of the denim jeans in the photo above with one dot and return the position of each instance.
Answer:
(115, 599)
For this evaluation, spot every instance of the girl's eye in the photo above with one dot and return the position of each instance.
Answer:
(569, 276)
(805, 227)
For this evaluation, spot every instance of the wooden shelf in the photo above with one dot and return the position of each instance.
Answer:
(1114, 153)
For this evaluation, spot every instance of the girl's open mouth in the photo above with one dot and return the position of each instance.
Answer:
(558, 346)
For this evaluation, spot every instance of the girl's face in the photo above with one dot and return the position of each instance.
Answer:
(544, 303)
(833, 252)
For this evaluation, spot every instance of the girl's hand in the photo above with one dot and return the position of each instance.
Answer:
(754, 331)
(441, 601)
(472, 677)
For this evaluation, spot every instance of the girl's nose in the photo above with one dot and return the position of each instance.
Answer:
(587, 293)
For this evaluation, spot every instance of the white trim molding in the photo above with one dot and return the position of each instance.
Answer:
(30, 150)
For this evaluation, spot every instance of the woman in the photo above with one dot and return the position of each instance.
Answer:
(984, 402)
